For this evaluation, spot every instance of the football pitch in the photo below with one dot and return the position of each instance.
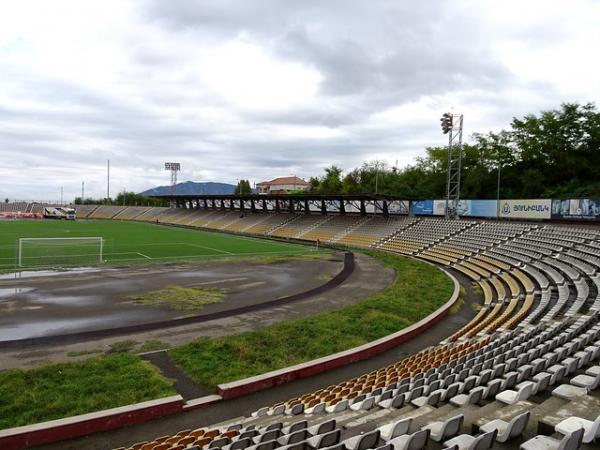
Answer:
(123, 243)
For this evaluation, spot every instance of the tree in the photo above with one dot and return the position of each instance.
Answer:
(243, 188)
(553, 154)
(331, 182)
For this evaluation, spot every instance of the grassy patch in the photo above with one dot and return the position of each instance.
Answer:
(60, 390)
(180, 298)
(417, 290)
(325, 277)
(153, 345)
(91, 351)
(121, 347)
(277, 259)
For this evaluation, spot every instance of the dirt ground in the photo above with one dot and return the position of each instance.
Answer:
(94, 299)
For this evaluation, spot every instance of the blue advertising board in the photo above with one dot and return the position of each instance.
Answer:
(483, 208)
(422, 207)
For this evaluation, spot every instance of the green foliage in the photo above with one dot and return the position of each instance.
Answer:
(417, 290)
(121, 346)
(124, 198)
(243, 188)
(553, 154)
(61, 390)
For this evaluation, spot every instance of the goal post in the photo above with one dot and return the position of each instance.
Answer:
(60, 252)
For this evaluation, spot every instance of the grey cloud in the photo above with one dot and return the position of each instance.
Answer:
(371, 56)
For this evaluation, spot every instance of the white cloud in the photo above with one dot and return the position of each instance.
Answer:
(264, 88)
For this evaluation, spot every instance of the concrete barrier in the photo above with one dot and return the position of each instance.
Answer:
(76, 426)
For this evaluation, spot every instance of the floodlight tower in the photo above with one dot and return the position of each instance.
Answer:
(452, 125)
(174, 168)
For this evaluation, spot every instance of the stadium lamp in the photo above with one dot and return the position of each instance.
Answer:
(172, 166)
(446, 122)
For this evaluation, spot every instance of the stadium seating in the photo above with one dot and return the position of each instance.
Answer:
(106, 212)
(528, 358)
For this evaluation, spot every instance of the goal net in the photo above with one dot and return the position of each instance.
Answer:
(59, 252)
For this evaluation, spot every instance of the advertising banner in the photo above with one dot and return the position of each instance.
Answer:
(314, 206)
(468, 208)
(422, 207)
(526, 209)
(351, 207)
(439, 207)
(398, 207)
(483, 208)
(577, 208)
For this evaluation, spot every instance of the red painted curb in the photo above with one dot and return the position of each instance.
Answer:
(76, 426)
(316, 366)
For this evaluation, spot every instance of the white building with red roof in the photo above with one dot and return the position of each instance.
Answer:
(282, 185)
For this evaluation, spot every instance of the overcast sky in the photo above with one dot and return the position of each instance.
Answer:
(263, 88)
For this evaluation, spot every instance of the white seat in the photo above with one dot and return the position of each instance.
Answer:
(586, 381)
(492, 388)
(471, 398)
(323, 427)
(507, 430)
(511, 397)
(431, 399)
(591, 429)
(364, 405)
(325, 440)
(276, 411)
(395, 429)
(395, 402)
(593, 371)
(294, 437)
(339, 406)
(571, 441)
(363, 441)
(443, 430)
(542, 381)
(568, 392)
(318, 408)
(414, 441)
(261, 412)
(483, 441)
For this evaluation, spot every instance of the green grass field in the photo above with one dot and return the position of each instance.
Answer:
(124, 243)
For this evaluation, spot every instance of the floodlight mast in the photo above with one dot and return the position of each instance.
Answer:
(174, 168)
(452, 125)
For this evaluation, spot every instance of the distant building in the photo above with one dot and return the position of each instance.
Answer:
(282, 185)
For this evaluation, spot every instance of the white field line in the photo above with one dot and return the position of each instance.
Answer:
(145, 256)
(210, 248)
(180, 258)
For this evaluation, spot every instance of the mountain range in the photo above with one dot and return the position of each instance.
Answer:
(193, 188)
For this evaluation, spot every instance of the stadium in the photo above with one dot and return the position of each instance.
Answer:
(270, 225)
(523, 362)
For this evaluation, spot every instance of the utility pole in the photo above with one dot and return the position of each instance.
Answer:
(108, 181)
(498, 192)
(61, 196)
(82, 191)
